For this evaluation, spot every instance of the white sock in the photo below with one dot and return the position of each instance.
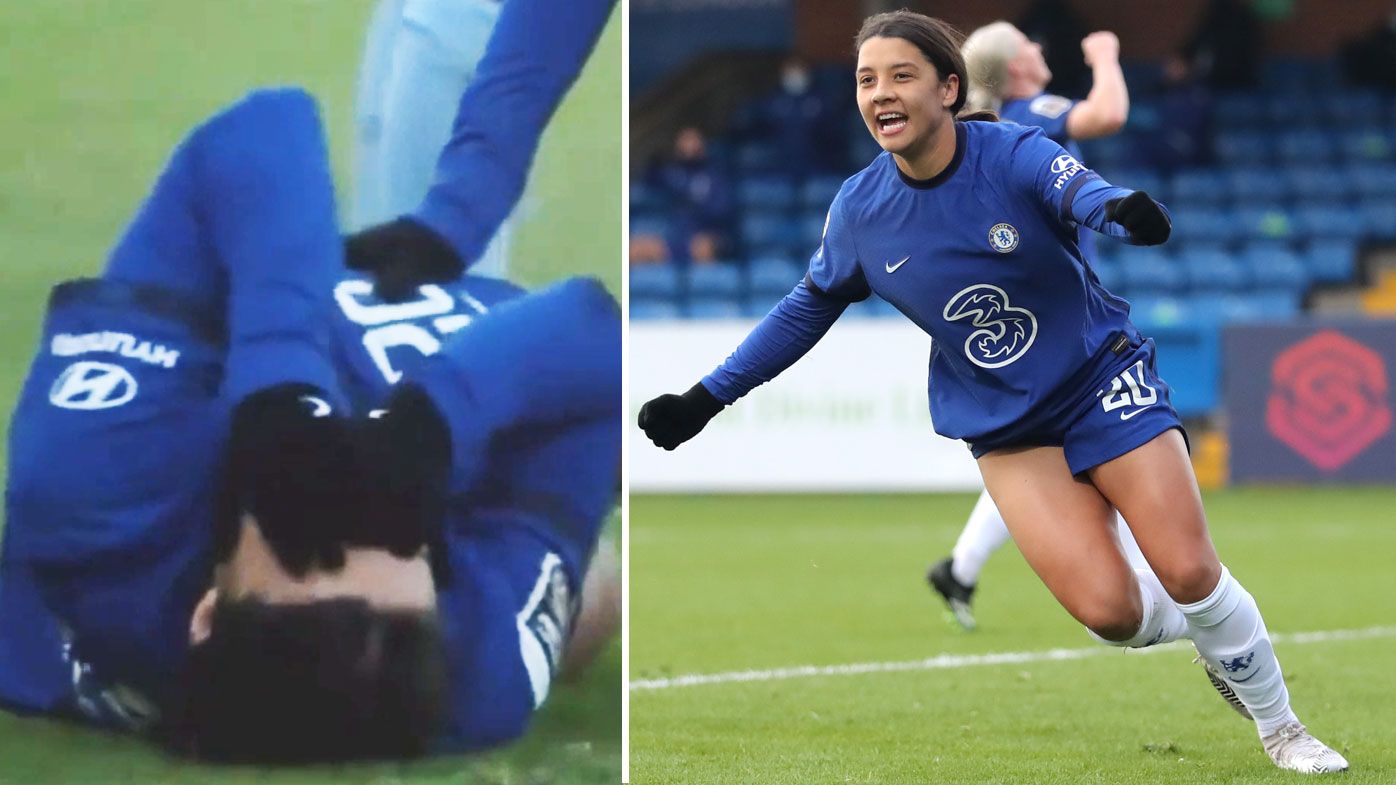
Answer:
(1162, 622)
(1229, 633)
(1131, 548)
(984, 533)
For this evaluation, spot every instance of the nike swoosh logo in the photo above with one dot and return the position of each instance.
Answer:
(1127, 415)
(892, 268)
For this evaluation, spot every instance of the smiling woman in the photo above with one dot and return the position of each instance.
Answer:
(1034, 364)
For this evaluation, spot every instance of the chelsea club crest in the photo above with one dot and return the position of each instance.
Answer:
(1003, 237)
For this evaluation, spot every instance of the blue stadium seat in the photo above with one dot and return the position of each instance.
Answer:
(1111, 274)
(1240, 110)
(1367, 145)
(644, 199)
(818, 192)
(757, 306)
(1109, 152)
(653, 309)
(1328, 222)
(1252, 185)
(1373, 180)
(654, 281)
(753, 157)
(715, 280)
(1264, 223)
(872, 308)
(773, 277)
(1140, 180)
(768, 193)
(1314, 183)
(1379, 217)
(1213, 271)
(1296, 74)
(647, 225)
(1273, 267)
(1201, 224)
(1198, 187)
(1331, 261)
(1262, 307)
(1153, 311)
(1307, 146)
(1150, 271)
(1189, 359)
(713, 308)
(810, 231)
(1280, 112)
(1244, 147)
(763, 232)
(1352, 107)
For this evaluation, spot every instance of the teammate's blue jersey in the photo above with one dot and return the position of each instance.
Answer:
(1046, 111)
(983, 257)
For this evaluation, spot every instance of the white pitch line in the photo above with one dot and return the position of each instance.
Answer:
(947, 661)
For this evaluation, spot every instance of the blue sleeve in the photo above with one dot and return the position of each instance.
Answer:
(549, 357)
(506, 619)
(242, 220)
(1046, 111)
(834, 270)
(1064, 186)
(534, 55)
(795, 325)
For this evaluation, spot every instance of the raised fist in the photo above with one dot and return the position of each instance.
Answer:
(1100, 47)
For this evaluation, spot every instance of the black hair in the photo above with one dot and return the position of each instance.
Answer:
(311, 682)
(938, 40)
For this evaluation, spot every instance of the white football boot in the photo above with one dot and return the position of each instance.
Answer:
(1291, 747)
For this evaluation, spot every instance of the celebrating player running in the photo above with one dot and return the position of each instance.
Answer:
(969, 229)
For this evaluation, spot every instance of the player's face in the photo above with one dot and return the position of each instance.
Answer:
(901, 96)
(384, 580)
(1031, 63)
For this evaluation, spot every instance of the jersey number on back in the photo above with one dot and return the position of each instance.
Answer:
(420, 323)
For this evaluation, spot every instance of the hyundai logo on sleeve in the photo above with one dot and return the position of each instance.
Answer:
(89, 385)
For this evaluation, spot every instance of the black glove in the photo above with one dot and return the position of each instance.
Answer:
(1141, 216)
(671, 420)
(291, 466)
(402, 255)
(405, 462)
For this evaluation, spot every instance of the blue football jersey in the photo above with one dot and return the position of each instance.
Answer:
(983, 257)
(1045, 111)
(1049, 112)
(115, 448)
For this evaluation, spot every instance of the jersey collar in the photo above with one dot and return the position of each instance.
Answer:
(946, 173)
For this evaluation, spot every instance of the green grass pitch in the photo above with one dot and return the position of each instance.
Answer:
(96, 92)
(728, 584)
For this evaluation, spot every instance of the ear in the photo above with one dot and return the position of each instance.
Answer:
(952, 90)
(201, 623)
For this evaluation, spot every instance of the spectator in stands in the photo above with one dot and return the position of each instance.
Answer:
(1180, 132)
(796, 118)
(1370, 59)
(1225, 46)
(698, 197)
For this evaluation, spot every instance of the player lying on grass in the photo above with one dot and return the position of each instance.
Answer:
(207, 539)
(380, 586)
(969, 229)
